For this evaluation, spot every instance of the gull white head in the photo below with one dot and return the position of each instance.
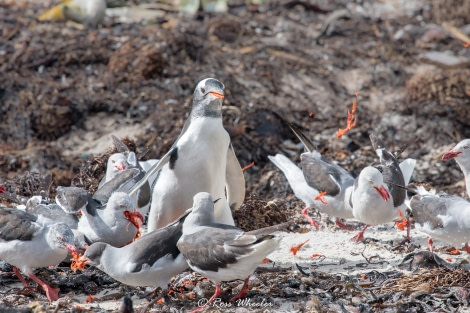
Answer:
(372, 176)
(117, 162)
(202, 211)
(461, 152)
(61, 237)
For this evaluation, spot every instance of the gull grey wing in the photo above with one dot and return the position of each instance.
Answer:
(323, 175)
(207, 251)
(120, 146)
(55, 213)
(156, 245)
(118, 183)
(376, 142)
(71, 199)
(247, 240)
(154, 169)
(235, 181)
(425, 209)
(93, 205)
(391, 171)
(17, 225)
(144, 196)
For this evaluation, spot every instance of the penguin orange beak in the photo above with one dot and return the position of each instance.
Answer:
(216, 94)
(450, 155)
(383, 193)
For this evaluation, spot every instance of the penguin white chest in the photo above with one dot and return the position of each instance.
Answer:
(202, 151)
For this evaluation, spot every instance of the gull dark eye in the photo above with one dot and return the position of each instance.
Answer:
(203, 90)
(465, 147)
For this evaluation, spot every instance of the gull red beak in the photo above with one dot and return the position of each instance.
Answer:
(71, 249)
(120, 166)
(383, 193)
(133, 216)
(450, 155)
(217, 94)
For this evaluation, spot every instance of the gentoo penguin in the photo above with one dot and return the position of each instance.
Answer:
(201, 160)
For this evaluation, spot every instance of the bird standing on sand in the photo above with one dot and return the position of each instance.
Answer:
(28, 241)
(379, 191)
(201, 159)
(320, 183)
(222, 252)
(371, 201)
(441, 216)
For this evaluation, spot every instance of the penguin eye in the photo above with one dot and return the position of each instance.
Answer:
(203, 90)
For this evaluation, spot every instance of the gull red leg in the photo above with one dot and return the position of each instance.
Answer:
(430, 244)
(20, 277)
(466, 247)
(408, 232)
(360, 236)
(344, 226)
(217, 292)
(242, 292)
(51, 293)
(309, 219)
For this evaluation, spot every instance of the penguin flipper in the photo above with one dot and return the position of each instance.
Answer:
(234, 180)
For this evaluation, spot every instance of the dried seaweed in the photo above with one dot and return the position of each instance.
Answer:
(92, 171)
(256, 213)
